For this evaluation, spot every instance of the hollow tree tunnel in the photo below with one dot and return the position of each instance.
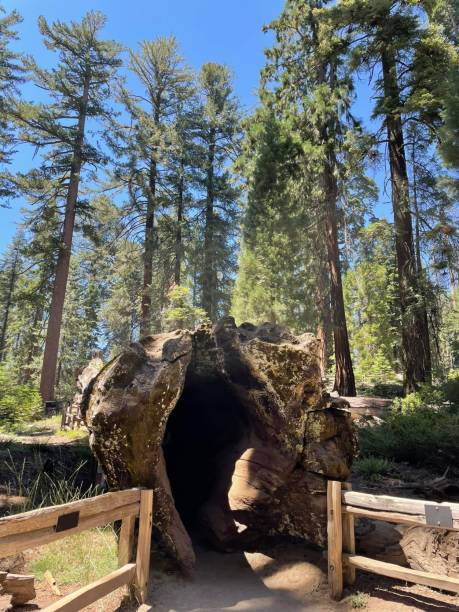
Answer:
(204, 436)
(225, 424)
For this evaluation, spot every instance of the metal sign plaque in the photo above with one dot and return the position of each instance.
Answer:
(438, 516)
(67, 521)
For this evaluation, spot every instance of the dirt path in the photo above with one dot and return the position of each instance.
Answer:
(283, 577)
(255, 582)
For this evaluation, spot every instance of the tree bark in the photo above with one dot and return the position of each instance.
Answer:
(149, 248)
(9, 301)
(248, 437)
(322, 301)
(208, 284)
(344, 373)
(48, 373)
(178, 229)
(415, 333)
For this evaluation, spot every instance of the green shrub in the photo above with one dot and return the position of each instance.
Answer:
(451, 388)
(18, 403)
(372, 468)
(420, 436)
(358, 601)
(428, 397)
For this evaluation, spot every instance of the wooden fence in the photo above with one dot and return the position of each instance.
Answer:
(344, 504)
(45, 525)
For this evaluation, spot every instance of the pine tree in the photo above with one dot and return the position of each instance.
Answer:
(312, 90)
(10, 77)
(8, 280)
(78, 88)
(218, 133)
(275, 280)
(166, 85)
(120, 312)
(180, 313)
(411, 53)
(370, 288)
(181, 179)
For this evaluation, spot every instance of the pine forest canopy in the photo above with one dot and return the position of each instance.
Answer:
(154, 201)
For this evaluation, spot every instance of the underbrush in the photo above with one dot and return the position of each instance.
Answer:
(45, 490)
(18, 403)
(385, 390)
(421, 429)
(373, 468)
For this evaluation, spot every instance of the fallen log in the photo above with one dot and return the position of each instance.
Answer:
(432, 550)
(229, 425)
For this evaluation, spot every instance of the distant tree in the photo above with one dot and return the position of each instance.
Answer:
(370, 290)
(180, 312)
(121, 310)
(79, 88)
(8, 280)
(166, 86)
(403, 46)
(218, 137)
(313, 92)
(11, 74)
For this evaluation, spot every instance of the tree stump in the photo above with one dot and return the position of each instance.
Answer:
(229, 425)
(21, 588)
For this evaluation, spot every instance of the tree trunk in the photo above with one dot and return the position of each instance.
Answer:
(344, 373)
(208, 283)
(248, 437)
(322, 301)
(420, 272)
(415, 333)
(48, 373)
(149, 248)
(9, 301)
(432, 550)
(178, 229)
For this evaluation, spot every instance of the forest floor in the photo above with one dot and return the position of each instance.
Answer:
(44, 431)
(284, 575)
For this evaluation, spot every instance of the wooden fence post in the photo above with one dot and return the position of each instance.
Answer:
(348, 540)
(335, 540)
(144, 545)
(126, 540)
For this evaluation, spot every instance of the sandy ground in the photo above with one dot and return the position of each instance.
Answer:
(284, 576)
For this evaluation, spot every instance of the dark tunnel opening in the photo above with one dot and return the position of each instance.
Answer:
(204, 437)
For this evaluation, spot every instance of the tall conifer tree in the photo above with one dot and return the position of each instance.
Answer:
(312, 90)
(78, 88)
(166, 85)
(219, 133)
(400, 39)
(10, 77)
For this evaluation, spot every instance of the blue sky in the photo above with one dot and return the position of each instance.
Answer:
(226, 31)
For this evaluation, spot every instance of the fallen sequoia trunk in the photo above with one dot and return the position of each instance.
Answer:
(432, 550)
(229, 425)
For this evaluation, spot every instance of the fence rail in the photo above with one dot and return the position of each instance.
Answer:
(45, 525)
(343, 505)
